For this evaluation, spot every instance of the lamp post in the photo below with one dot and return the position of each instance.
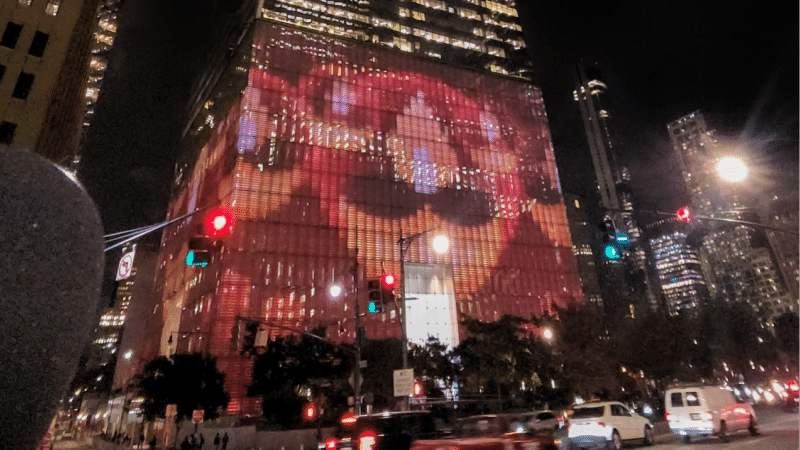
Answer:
(335, 291)
(440, 245)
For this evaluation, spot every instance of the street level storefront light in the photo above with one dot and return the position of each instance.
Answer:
(732, 169)
(440, 244)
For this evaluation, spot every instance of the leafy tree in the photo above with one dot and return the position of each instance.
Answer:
(189, 380)
(383, 356)
(295, 370)
(657, 344)
(497, 357)
(787, 326)
(433, 362)
(584, 353)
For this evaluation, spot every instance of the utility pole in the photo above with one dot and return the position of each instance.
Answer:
(357, 373)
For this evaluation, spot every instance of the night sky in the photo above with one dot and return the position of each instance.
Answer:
(735, 61)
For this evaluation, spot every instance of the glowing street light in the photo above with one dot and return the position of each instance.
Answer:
(440, 244)
(732, 169)
(335, 290)
(548, 334)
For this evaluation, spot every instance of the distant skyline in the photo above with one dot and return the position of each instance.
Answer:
(737, 62)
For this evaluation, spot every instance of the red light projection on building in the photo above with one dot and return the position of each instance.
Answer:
(336, 146)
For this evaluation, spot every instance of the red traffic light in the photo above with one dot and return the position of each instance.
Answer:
(389, 280)
(219, 223)
(310, 412)
(684, 214)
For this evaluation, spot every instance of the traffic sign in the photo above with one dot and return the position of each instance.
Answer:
(125, 266)
(403, 382)
(197, 416)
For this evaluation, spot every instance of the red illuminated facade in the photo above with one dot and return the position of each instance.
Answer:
(333, 151)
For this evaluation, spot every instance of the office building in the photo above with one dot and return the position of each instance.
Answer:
(328, 149)
(677, 266)
(44, 52)
(582, 231)
(625, 278)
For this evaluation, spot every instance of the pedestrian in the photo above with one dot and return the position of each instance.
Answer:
(225, 442)
(216, 442)
(201, 441)
(185, 445)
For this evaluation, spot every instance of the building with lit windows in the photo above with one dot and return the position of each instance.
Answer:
(582, 231)
(624, 279)
(44, 51)
(105, 32)
(741, 263)
(782, 213)
(328, 149)
(677, 267)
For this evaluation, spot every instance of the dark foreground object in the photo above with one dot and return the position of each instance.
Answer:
(51, 262)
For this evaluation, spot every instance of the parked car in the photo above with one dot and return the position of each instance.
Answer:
(491, 432)
(611, 421)
(386, 431)
(707, 410)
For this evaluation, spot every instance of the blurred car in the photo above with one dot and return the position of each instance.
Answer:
(386, 431)
(611, 421)
(707, 410)
(791, 402)
(491, 432)
(544, 420)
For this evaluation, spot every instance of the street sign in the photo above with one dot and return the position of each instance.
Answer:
(352, 380)
(197, 416)
(403, 382)
(125, 266)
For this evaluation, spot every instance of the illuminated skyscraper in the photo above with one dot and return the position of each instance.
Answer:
(328, 150)
(624, 278)
(678, 267)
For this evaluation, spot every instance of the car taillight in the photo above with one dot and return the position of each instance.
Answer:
(349, 419)
(706, 416)
(666, 416)
(366, 441)
(793, 386)
(330, 444)
(601, 424)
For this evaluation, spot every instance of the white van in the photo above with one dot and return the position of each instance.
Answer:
(706, 410)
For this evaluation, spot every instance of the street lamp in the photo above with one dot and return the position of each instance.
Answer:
(440, 245)
(548, 334)
(731, 169)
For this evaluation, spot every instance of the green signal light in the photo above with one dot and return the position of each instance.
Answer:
(194, 258)
(612, 252)
(374, 307)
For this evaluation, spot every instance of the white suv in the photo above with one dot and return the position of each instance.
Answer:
(611, 421)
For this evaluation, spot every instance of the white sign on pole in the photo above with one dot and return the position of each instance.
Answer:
(125, 266)
(197, 415)
(403, 382)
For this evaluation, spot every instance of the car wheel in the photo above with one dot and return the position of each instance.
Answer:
(753, 428)
(687, 439)
(649, 436)
(616, 441)
(723, 432)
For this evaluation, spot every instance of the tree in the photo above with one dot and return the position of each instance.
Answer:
(295, 370)
(786, 331)
(189, 380)
(433, 362)
(584, 352)
(498, 357)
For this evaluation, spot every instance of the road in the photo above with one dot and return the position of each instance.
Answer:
(779, 431)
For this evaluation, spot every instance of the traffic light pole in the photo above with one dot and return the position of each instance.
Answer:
(357, 372)
(713, 219)
(134, 234)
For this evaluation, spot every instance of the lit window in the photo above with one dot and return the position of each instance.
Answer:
(24, 2)
(52, 7)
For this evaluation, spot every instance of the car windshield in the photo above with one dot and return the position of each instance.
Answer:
(588, 412)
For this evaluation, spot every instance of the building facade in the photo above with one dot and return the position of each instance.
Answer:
(624, 279)
(44, 51)
(678, 267)
(328, 151)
